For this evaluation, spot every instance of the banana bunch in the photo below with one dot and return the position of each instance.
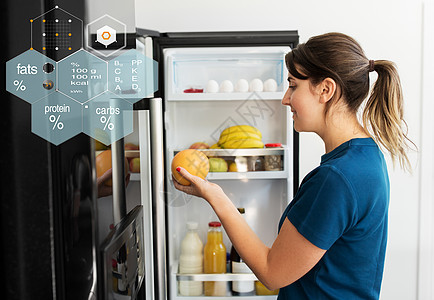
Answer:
(240, 137)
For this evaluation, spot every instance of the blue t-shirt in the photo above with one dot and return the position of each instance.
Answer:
(341, 207)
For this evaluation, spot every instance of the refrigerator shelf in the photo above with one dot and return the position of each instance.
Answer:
(241, 152)
(225, 96)
(233, 153)
(247, 175)
(216, 277)
(256, 297)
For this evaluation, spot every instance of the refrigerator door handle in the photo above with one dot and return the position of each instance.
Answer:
(158, 194)
(119, 196)
(146, 200)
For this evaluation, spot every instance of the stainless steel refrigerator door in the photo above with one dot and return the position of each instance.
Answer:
(124, 245)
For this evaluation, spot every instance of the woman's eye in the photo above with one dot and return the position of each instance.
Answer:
(291, 86)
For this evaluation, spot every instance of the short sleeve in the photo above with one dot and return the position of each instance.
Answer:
(325, 207)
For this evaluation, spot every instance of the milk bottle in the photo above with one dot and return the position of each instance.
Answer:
(191, 261)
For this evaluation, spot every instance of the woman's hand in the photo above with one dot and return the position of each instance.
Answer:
(198, 187)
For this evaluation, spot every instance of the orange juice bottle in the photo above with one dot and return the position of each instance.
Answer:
(214, 260)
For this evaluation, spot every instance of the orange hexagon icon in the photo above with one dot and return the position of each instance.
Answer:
(106, 35)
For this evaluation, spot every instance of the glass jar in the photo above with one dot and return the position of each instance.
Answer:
(273, 162)
(255, 163)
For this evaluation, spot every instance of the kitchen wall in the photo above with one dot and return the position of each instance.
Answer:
(386, 29)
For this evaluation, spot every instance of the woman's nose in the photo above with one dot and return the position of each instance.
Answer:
(285, 100)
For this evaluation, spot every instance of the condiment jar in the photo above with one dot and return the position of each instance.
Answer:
(273, 162)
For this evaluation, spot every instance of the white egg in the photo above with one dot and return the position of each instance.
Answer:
(226, 87)
(270, 85)
(256, 85)
(212, 86)
(242, 86)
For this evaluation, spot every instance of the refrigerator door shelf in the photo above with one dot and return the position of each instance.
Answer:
(127, 235)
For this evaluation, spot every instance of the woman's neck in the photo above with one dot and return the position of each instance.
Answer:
(340, 128)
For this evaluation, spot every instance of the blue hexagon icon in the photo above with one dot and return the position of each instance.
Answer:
(82, 76)
(107, 118)
(56, 118)
(31, 76)
(132, 76)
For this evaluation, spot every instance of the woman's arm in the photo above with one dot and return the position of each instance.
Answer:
(291, 255)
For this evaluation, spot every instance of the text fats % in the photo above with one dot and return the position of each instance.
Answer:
(106, 122)
(56, 122)
(19, 85)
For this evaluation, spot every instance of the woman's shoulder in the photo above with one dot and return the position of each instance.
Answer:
(361, 157)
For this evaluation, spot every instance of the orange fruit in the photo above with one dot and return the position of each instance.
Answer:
(104, 162)
(194, 161)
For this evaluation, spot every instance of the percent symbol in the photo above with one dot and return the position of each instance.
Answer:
(106, 122)
(75, 64)
(56, 122)
(19, 85)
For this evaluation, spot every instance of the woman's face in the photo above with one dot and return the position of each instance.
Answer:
(303, 98)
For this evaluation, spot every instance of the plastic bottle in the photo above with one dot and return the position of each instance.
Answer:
(191, 261)
(215, 260)
(240, 288)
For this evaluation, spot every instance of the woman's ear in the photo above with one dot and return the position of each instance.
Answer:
(327, 90)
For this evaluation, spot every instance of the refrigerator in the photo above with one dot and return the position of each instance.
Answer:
(185, 111)
(55, 231)
(51, 244)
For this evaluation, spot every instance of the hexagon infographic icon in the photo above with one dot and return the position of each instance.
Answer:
(107, 118)
(82, 76)
(56, 118)
(132, 76)
(71, 96)
(107, 35)
(56, 33)
(30, 76)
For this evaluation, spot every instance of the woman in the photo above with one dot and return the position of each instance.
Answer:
(332, 236)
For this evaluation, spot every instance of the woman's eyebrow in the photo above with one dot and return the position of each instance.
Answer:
(290, 78)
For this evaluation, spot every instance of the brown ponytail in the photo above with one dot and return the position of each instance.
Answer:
(383, 115)
(340, 57)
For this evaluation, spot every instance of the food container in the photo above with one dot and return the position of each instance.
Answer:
(255, 163)
(273, 162)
